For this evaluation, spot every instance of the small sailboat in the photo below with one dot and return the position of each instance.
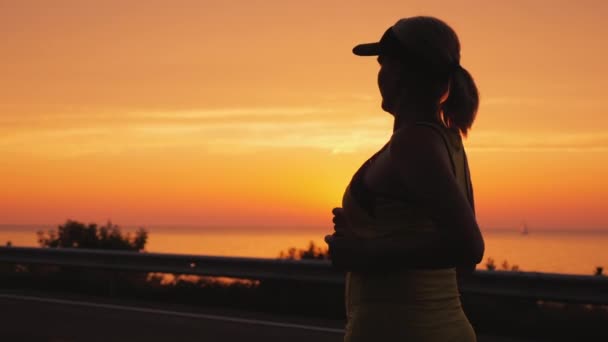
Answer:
(524, 230)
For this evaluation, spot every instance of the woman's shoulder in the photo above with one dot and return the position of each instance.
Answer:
(419, 151)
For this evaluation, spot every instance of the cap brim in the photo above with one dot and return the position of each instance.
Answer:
(369, 49)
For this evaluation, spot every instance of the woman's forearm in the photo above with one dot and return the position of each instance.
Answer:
(430, 251)
(394, 252)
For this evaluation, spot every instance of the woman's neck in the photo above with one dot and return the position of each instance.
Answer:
(409, 114)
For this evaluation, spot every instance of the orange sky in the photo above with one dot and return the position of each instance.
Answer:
(251, 113)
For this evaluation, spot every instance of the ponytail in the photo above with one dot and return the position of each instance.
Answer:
(460, 108)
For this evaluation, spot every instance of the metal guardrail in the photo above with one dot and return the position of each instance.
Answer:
(536, 286)
(235, 267)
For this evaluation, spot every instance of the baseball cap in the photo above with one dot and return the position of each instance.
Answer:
(389, 44)
(393, 43)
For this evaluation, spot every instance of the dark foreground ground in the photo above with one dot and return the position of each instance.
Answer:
(42, 317)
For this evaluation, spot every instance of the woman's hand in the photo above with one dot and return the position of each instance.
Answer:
(343, 248)
(345, 253)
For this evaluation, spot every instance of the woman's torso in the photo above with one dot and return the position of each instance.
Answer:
(408, 304)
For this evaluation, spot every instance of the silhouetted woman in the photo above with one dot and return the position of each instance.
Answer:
(407, 221)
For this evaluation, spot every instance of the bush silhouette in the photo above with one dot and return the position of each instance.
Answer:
(73, 234)
(313, 252)
(490, 265)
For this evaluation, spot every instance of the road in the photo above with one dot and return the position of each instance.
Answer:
(40, 317)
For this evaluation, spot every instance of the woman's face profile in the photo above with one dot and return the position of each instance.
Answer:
(390, 82)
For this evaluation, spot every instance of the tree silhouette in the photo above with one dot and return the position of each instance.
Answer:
(73, 234)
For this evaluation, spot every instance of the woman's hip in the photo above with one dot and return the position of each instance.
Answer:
(386, 323)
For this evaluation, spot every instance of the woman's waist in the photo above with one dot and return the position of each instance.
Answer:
(411, 287)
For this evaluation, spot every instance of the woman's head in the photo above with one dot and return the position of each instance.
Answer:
(420, 68)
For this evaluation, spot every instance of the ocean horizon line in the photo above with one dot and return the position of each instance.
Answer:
(192, 228)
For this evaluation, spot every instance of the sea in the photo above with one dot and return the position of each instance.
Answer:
(567, 252)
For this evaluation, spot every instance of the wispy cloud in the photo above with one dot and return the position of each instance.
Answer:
(239, 112)
(248, 130)
(233, 130)
(512, 100)
(544, 102)
(539, 141)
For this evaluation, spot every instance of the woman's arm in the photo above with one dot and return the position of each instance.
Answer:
(422, 161)
(424, 167)
(381, 254)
